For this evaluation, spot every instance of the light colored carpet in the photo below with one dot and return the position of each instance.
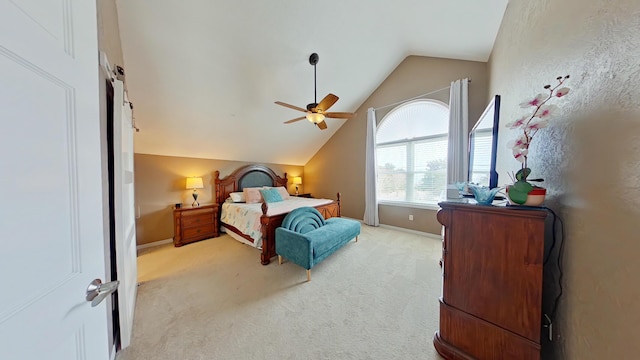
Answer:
(374, 299)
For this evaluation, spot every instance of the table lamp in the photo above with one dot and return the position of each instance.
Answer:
(297, 181)
(195, 183)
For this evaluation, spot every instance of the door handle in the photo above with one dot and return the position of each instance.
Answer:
(97, 291)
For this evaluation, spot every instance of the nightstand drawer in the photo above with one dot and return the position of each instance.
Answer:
(195, 223)
(198, 231)
(195, 220)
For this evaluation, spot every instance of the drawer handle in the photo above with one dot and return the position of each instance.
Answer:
(199, 231)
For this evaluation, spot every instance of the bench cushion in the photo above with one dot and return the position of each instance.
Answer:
(336, 233)
(306, 238)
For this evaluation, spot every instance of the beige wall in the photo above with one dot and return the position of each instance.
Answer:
(108, 31)
(589, 158)
(339, 165)
(160, 183)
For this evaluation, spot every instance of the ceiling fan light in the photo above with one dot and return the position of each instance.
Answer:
(315, 117)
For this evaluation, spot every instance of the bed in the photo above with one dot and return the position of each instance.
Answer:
(269, 215)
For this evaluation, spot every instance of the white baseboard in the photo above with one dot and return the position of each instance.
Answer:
(155, 243)
(421, 233)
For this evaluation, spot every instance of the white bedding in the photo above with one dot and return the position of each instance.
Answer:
(246, 217)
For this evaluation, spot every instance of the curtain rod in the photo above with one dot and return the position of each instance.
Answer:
(413, 98)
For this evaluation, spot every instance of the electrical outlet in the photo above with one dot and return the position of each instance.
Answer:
(410, 217)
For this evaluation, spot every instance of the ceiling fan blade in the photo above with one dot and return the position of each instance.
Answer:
(339, 115)
(322, 125)
(294, 120)
(290, 106)
(327, 102)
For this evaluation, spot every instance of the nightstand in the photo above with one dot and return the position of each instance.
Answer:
(305, 195)
(195, 223)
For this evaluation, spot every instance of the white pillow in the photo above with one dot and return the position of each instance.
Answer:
(237, 196)
(283, 192)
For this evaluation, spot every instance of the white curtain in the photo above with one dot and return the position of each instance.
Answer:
(458, 157)
(370, 176)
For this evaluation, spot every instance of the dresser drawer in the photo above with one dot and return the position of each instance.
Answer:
(194, 232)
(197, 219)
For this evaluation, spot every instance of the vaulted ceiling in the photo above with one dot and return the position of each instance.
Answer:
(204, 74)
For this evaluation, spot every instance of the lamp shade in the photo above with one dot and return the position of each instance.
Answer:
(297, 180)
(194, 183)
(315, 117)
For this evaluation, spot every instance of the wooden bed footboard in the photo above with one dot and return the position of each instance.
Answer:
(261, 175)
(270, 223)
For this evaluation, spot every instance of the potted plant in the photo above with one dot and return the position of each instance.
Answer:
(522, 191)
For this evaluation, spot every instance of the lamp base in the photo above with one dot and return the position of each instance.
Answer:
(297, 191)
(195, 200)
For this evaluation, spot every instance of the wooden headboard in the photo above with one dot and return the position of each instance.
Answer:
(247, 176)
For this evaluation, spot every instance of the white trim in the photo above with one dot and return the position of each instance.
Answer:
(409, 205)
(416, 232)
(422, 233)
(358, 220)
(413, 98)
(105, 66)
(155, 243)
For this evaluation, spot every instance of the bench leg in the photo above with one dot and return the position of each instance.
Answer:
(308, 275)
(279, 260)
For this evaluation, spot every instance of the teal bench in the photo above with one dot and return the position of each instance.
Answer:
(306, 238)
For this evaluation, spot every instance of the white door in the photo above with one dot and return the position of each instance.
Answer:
(50, 182)
(124, 211)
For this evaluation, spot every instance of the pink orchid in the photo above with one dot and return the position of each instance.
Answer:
(538, 125)
(546, 111)
(562, 92)
(539, 119)
(520, 143)
(534, 102)
(518, 123)
(520, 154)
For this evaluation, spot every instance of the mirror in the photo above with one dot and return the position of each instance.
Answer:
(483, 143)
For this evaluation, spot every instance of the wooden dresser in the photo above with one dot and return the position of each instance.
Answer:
(491, 304)
(195, 223)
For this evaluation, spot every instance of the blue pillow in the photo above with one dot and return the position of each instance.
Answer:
(271, 195)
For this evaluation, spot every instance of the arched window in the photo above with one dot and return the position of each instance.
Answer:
(411, 151)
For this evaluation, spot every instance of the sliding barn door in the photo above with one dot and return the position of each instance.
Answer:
(125, 220)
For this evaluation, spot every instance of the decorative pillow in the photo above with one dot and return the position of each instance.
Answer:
(271, 195)
(283, 192)
(237, 196)
(252, 195)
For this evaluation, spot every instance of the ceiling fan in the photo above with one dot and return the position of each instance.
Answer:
(317, 112)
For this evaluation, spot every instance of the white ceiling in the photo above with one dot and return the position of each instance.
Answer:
(203, 75)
